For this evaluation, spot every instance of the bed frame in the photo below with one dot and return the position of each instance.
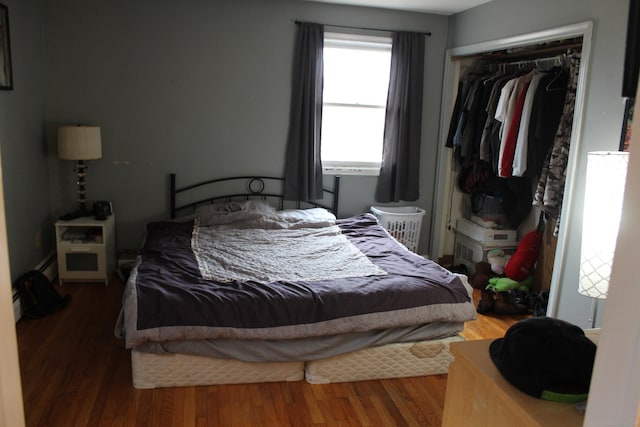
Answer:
(387, 361)
(188, 198)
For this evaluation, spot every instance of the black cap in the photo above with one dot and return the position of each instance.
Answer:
(546, 358)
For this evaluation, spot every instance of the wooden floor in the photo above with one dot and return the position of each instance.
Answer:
(76, 373)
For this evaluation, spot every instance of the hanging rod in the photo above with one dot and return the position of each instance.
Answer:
(557, 60)
(428, 33)
(526, 54)
(536, 61)
(542, 49)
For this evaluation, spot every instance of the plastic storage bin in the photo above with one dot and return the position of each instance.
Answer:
(485, 210)
(403, 223)
(469, 251)
(486, 235)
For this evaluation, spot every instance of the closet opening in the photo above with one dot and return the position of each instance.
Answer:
(510, 179)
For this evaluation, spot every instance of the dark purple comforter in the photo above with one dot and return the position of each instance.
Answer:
(166, 298)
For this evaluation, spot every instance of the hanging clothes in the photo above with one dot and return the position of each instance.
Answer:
(481, 124)
(519, 164)
(491, 126)
(550, 189)
(465, 131)
(504, 113)
(504, 123)
(546, 112)
(512, 127)
(455, 116)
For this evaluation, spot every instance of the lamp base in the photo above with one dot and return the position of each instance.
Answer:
(594, 312)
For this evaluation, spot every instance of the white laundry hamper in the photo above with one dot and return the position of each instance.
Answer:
(403, 223)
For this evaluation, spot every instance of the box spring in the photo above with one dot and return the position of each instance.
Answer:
(388, 361)
(178, 370)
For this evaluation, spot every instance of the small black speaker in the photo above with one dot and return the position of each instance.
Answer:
(102, 209)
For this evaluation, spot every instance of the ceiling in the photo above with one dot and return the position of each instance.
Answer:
(440, 7)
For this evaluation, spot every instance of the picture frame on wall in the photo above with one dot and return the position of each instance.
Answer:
(6, 73)
(625, 137)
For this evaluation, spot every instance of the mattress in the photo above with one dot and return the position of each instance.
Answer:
(307, 349)
(179, 370)
(167, 299)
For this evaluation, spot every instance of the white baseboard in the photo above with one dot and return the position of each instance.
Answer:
(49, 267)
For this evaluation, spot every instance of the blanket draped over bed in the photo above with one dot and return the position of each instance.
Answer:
(267, 256)
(167, 298)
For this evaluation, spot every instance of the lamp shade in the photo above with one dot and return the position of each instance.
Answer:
(604, 192)
(79, 143)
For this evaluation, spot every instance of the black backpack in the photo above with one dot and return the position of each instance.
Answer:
(38, 296)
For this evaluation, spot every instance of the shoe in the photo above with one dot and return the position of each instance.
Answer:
(487, 300)
(540, 307)
(505, 304)
(460, 269)
(521, 297)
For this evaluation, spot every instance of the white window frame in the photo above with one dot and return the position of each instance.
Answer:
(355, 41)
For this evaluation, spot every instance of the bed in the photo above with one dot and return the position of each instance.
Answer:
(244, 287)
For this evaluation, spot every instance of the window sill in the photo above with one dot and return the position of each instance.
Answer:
(353, 170)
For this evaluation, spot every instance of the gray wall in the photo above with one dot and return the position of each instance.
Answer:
(200, 88)
(24, 161)
(602, 120)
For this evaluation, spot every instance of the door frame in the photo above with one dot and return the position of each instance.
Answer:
(442, 236)
(11, 405)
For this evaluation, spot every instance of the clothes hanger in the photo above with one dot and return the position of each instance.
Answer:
(559, 61)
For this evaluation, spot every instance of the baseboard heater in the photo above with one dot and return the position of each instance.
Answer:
(47, 266)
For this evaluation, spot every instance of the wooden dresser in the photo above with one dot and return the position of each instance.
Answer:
(478, 395)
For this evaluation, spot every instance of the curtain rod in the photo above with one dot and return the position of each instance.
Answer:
(428, 33)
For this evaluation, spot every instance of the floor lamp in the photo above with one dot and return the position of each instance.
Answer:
(604, 191)
(79, 143)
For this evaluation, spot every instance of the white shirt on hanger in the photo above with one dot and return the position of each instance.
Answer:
(522, 143)
(520, 84)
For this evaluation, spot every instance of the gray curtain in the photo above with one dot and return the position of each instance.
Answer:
(303, 167)
(399, 173)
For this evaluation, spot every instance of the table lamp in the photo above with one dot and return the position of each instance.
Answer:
(604, 191)
(79, 143)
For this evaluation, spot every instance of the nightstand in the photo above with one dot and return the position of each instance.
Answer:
(86, 249)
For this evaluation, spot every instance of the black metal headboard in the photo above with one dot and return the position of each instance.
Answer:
(244, 188)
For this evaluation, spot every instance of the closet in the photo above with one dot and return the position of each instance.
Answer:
(472, 159)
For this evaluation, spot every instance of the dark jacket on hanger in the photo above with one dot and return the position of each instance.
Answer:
(545, 116)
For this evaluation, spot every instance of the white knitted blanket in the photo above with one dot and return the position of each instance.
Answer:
(270, 255)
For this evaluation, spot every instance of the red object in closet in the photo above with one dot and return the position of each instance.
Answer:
(521, 264)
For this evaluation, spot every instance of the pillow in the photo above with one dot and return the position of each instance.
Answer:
(235, 211)
(184, 218)
(307, 215)
(205, 210)
(235, 206)
(251, 205)
(168, 235)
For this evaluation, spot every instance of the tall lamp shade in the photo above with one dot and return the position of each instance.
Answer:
(604, 191)
(80, 143)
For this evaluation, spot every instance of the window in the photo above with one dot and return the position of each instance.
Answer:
(356, 80)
